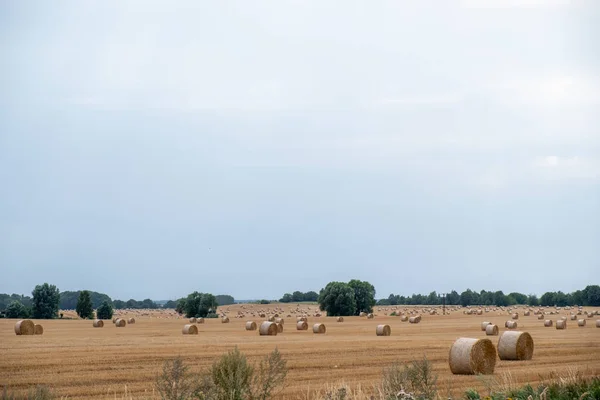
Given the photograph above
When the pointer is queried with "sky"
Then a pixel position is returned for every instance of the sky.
(149, 149)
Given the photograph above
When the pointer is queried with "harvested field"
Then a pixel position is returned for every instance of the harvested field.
(79, 361)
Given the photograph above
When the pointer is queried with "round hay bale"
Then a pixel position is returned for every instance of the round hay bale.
(268, 328)
(511, 324)
(515, 316)
(362, 314)
(193, 320)
(404, 318)
(114, 319)
(25, 327)
(225, 320)
(548, 323)
(120, 323)
(279, 327)
(581, 322)
(190, 329)
(414, 320)
(515, 345)
(199, 320)
(484, 325)
(298, 319)
(541, 316)
(383, 330)
(319, 328)
(472, 356)
(251, 326)
(279, 321)
(561, 324)
(573, 317)
(491, 330)
(598, 323)
(370, 316)
(339, 319)
(131, 321)
(38, 329)
(527, 313)
(302, 325)
(98, 323)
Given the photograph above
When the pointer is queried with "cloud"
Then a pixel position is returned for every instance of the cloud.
(555, 167)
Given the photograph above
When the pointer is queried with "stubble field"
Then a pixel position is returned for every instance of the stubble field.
(78, 361)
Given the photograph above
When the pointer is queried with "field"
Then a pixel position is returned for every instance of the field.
(79, 361)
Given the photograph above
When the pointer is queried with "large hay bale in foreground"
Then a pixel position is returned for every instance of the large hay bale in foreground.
(561, 324)
(514, 345)
(190, 329)
(319, 328)
(491, 330)
(581, 322)
(120, 323)
(484, 325)
(302, 325)
(548, 323)
(472, 356)
(511, 324)
(25, 327)
(98, 323)
(38, 329)
(268, 328)
(251, 326)
(383, 330)
(131, 321)
(339, 319)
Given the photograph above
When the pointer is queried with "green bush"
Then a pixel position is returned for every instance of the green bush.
(105, 311)
(17, 310)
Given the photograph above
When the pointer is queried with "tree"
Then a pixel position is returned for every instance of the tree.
(16, 309)
(520, 298)
(433, 299)
(467, 298)
(68, 299)
(547, 299)
(45, 301)
(105, 311)
(453, 298)
(532, 300)
(592, 295)
(199, 305)
(364, 295)
(297, 296)
(119, 304)
(180, 308)
(84, 305)
(224, 299)
(311, 296)
(337, 298)
(287, 298)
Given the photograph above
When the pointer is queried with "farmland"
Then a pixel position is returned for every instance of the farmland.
(79, 361)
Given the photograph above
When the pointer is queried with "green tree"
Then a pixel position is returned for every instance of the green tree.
(119, 304)
(199, 304)
(337, 298)
(45, 301)
(364, 295)
(224, 299)
(180, 308)
(433, 298)
(592, 295)
(287, 298)
(311, 296)
(532, 300)
(520, 298)
(453, 298)
(467, 298)
(297, 296)
(84, 305)
(16, 309)
(547, 299)
(105, 311)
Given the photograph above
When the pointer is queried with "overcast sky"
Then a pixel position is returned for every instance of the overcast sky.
(154, 148)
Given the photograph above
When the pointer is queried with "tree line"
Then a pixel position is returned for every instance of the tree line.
(298, 297)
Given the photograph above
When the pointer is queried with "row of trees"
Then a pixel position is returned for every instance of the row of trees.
(298, 297)
(343, 299)
(590, 296)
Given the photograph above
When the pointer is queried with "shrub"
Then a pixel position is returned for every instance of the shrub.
(36, 393)
(16, 309)
(415, 379)
(176, 383)
(232, 376)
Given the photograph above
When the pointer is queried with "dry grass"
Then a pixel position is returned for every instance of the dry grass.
(79, 362)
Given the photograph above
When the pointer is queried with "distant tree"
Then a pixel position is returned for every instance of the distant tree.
(224, 299)
(520, 298)
(311, 296)
(453, 298)
(337, 298)
(467, 298)
(16, 309)
(45, 301)
(287, 298)
(180, 308)
(68, 299)
(433, 299)
(297, 296)
(263, 301)
(364, 295)
(547, 299)
(131, 303)
(591, 295)
(199, 305)
(105, 311)
(170, 304)
(119, 304)
(84, 305)
(147, 303)
(532, 300)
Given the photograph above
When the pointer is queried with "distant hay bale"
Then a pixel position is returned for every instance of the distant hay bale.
(279, 321)
(279, 327)
(414, 320)
(383, 330)
(515, 316)
(339, 319)
(561, 324)
(515, 345)
(120, 323)
(510, 324)
(548, 323)
(484, 325)
(527, 313)
(541, 316)
(472, 357)
(131, 321)
(319, 328)
(225, 320)
(25, 327)
(199, 320)
(98, 323)
(302, 325)
(38, 329)
(491, 330)
(190, 329)
(114, 320)
(298, 319)
(404, 318)
(573, 317)
(271, 319)
(193, 320)
(362, 314)
(370, 316)
(581, 322)
(251, 326)
(268, 328)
